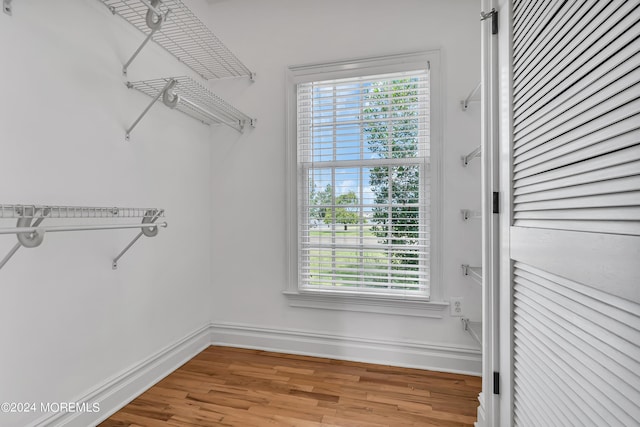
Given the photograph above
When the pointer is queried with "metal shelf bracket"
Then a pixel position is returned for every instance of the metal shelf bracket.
(150, 218)
(474, 272)
(473, 328)
(464, 104)
(472, 155)
(468, 214)
(146, 110)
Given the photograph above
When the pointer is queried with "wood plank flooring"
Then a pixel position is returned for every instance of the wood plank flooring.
(225, 386)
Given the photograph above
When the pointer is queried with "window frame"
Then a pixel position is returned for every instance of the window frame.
(356, 301)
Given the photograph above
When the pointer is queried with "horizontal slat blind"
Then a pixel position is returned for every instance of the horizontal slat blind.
(576, 353)
(363, 194)
(577, 116)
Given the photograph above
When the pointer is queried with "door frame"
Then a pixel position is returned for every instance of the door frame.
(505, 158)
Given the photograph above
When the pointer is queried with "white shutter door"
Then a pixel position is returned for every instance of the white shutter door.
(575, 213)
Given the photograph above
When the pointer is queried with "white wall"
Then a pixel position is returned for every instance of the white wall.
(249, 253)
(68, 322)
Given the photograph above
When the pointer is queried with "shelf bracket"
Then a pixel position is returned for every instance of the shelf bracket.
(154, 25)
(153, 101)
(473, 272)
(6, 6)
(147, 231)
(467, 159)
(464, 104)
(468, 214)
(18, 245)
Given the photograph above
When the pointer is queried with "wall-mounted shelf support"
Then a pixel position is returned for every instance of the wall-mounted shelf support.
(173, 26)
(155, 28)
(472, 155)
(191, 98)
(474, 272)
(473, 328)
(32, 235)
(468, 214)
(153, 101)
(6, 7)
(150, 218)
(18, 245)
(464, 104)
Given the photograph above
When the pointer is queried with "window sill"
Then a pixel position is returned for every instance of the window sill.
(417, 307)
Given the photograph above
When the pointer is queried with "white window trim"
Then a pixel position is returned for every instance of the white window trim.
(340, 300)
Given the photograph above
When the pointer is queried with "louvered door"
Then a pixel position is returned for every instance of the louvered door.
(574, 235)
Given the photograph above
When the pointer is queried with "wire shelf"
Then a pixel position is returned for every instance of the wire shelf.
(196, 101)
(184, 36)
(46, 211)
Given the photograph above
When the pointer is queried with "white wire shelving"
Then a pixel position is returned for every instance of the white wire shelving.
(191, 98)
(473, 328)
(474, 272)
(173, 26)
(31, 234)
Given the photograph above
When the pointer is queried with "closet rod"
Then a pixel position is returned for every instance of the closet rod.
(58, 228)
(239, 125)
(467, 159)
(464, 104)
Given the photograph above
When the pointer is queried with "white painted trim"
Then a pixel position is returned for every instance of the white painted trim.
(122, 388)
(367, 304)
(503, 403)
(363, 66)
(409, 354)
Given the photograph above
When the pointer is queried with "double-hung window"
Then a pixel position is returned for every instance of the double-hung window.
(363, 178)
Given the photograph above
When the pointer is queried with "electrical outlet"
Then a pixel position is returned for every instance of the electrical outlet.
(456, 306)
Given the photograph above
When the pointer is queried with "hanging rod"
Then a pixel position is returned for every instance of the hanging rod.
(57, 228)
(468, 214)
(32, 235)
(191, 98)
(173, 26)
(473, 328)
(464, 104)
(472, 155)
(474, 272)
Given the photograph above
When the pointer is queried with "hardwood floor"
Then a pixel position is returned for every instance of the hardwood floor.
(225, 386)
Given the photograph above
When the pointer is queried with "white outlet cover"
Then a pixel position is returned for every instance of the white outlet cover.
(456, 307)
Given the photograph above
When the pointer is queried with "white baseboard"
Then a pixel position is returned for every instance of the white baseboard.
(119, 390)
(409, 354)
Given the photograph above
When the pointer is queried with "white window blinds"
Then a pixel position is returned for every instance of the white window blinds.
(363, 184)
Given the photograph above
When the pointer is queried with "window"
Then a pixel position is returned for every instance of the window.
(363, 177)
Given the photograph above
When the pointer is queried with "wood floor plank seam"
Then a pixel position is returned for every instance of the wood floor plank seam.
(225, 386)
